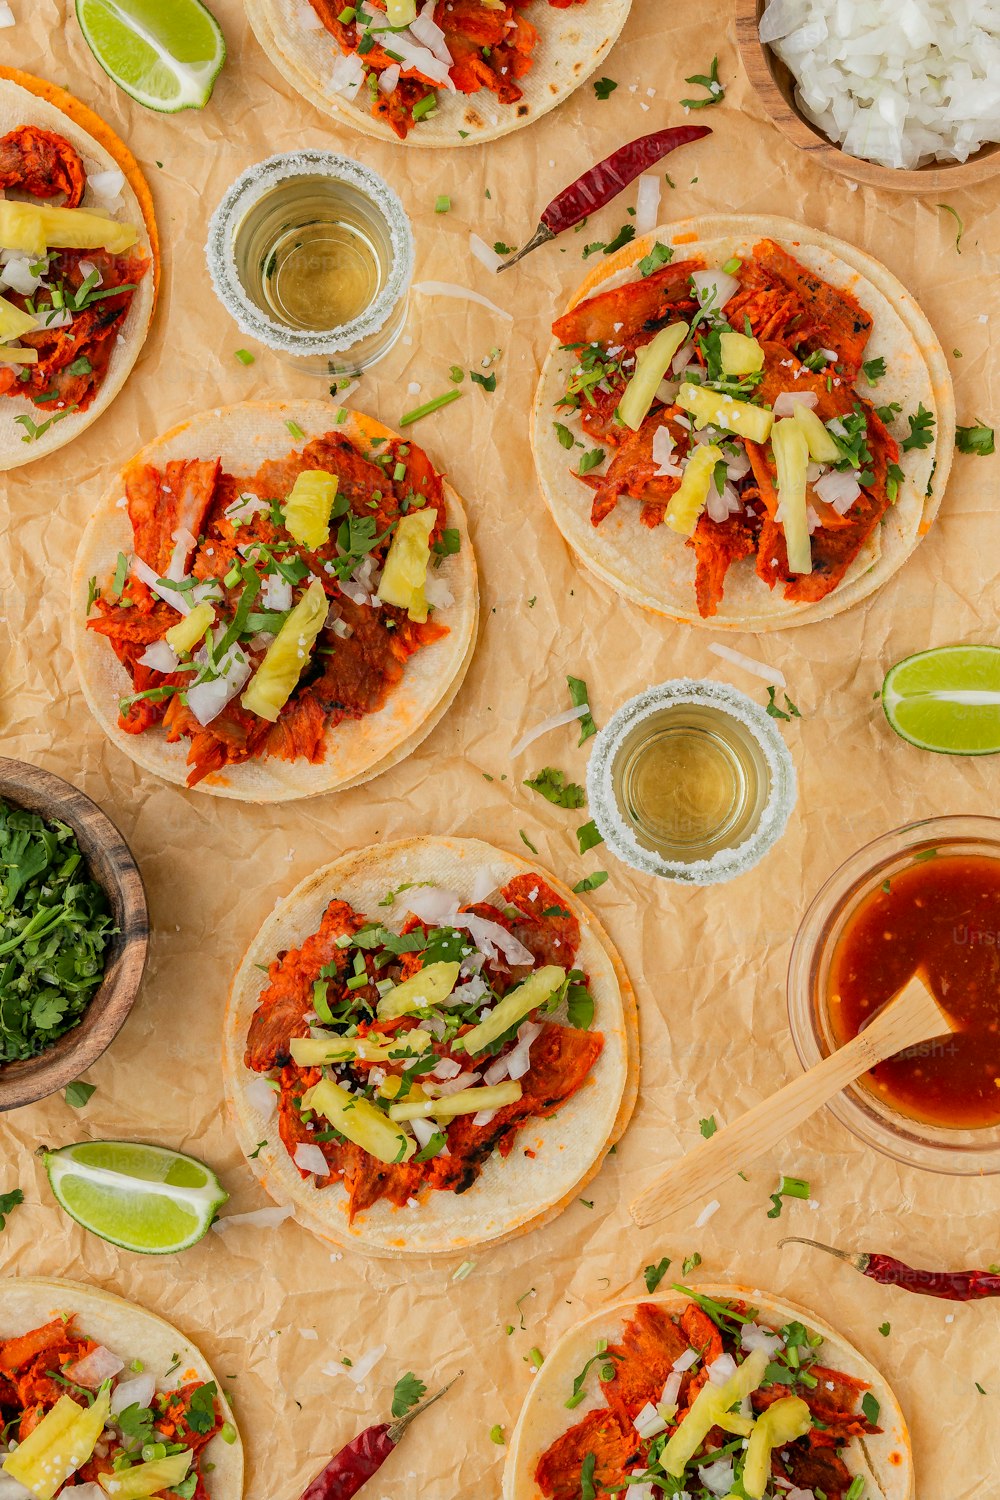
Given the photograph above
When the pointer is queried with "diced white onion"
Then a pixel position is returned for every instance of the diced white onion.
(648, 1423)
(672, 1388)
(18, 275)
(54, 317)
(752, 1337)
(94, 1368)
(432, 904)
(717, 1477)
(184, 544)
(706, 1213)
(137, 1391)
(174, 597)
(107, 187)
(713, 290)
(785, 404)
(467, 994)
(360, 1368)
(261, 1096)
(424, 1130)
(483, 886)
(678, 365)
(838, 490)
(310, 1158)
(277, 593)
(554, 721)
(160, 656)
(647, 203)
(259, 1218)
(455, 1085)
(347, 74)
(446, 1067)
(490, 259)
(206, 700)
(738, 465)
(426, 30)
(389, 77)
(749, 664)
(519, 1058)
(437, 593)
(686, 1360)
(497, 1071)
(6, 19)
(490, 938)
(721, 1369)
(450, 289)
(663, 448)
(720, 506)
(482, 1118)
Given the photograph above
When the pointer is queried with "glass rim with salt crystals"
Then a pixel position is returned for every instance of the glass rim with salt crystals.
(246, 192)
(726, 862)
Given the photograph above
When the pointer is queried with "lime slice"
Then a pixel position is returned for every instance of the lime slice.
(166, 53)
(142, 1198)
(947, 699)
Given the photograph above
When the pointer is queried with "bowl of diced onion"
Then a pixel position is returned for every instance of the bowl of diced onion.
(900, 94)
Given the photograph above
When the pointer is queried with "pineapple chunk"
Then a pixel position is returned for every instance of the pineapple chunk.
(706, 406)
(712, 1408)
(360, 1122)
(689, 499)
(143, 1480)
(276, 678)
(13, 354)
(515, 1005)
(791, 456)
(652, 362)
(466, 1102)
(428, 986)
(62, 1442)
(13, 321)
(740, 354)
(822, 448)
(401, 12)
(314, 1051)
(309, 506)
(783, 1422)
(186, 634)
(405, 571)
(36, 227)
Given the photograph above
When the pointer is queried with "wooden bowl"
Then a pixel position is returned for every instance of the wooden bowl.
(776, 89)
(109, 861)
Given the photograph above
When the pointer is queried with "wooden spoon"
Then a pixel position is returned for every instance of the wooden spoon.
(911, 1017)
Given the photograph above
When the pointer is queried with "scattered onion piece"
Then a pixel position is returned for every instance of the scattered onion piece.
(749, 664)
(450, 289)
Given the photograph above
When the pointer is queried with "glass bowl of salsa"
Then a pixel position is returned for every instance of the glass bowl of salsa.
(924, 898)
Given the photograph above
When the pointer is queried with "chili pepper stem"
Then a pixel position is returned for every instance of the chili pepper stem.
(396, 1429)
(541, 236)
(859, 1262)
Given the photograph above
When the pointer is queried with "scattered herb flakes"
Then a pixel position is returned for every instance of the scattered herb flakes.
(790, 1187)
(691, 1264)
(653, 1275)
(960, 230)
(921, 433)
(588, 836)
(980, 1389)
(535, 1358)
(407, 1393)
(587, 1202)
(294, 429)
(590, 882)
(592, 248)
(591, 460)
(660, 255)
(429, 406)
(873, 370)
(456, 374)
(244, 356)
(625, 236)
(708, 1127)
(525, 839)
(54, 928)
(551, 784)
(587, 1490)
(774, 711)
(78, 1094)
(518, 1304)
(870, 1407)
(578, 696)
(8, 1202)
(923, 854)
(894, 478)
(501, 248)
(885, 1329)
(604, 87)
(442, 204)
(257, 1150)
(709, 81)
(497, 1435)
(978, 440)
(566, 438)
(488, 382)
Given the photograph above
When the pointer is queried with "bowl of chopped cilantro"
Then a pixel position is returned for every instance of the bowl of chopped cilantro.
(74, 930)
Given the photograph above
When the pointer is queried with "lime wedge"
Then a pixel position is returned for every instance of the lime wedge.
(143, 1198)
(166, 53)
(947, 699)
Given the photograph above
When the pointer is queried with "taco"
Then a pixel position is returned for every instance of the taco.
(448, 1039)
(449, 73)
(100, 1398)
(78, 266)
(744, 423)
(714, 1392)
(274, 600)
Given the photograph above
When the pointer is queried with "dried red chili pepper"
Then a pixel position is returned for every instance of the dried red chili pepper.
(350, 1470)
(951, 1286)
(605, 181)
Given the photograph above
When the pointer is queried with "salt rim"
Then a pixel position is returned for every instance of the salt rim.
(727, 863)
(246, 191)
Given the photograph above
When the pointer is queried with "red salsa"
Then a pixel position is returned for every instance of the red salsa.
(940, 916)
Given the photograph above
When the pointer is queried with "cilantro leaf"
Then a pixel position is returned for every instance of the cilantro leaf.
(525, 840)
(604, 87)
(564, 435)
(708, 1127)
(78, 1094)
(588, 836)
(873, 370)
(591, 460)
(653, 1275)
(709, 81)
(407, 1393)
(625, 236)
(488, 382)
(590, 882)
(551, 784)
(978, 440)
(921, 433)
(8, 1202)
(578, 695)
(200, 1415)
(660, 255)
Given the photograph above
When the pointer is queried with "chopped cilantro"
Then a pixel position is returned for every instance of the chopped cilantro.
(564, 435)
(488, 382)
(660, 255)
(525, 840)
(8, 1202)
(771, 708)
(921, 433)
(653, 1275)
(625, 236)
(407, 1393)
(604, 87)
(591, 460)
(873, 370)
(551, 784)
(708, 1127)
(710, 82)
(578, 695)
(589, 836)
(78, 1094)
(978, 440)
(885, 1329)
(958, 220)
(590, 882)
(691, 1264)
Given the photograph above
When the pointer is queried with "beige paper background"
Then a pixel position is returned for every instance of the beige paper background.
(708, 965)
